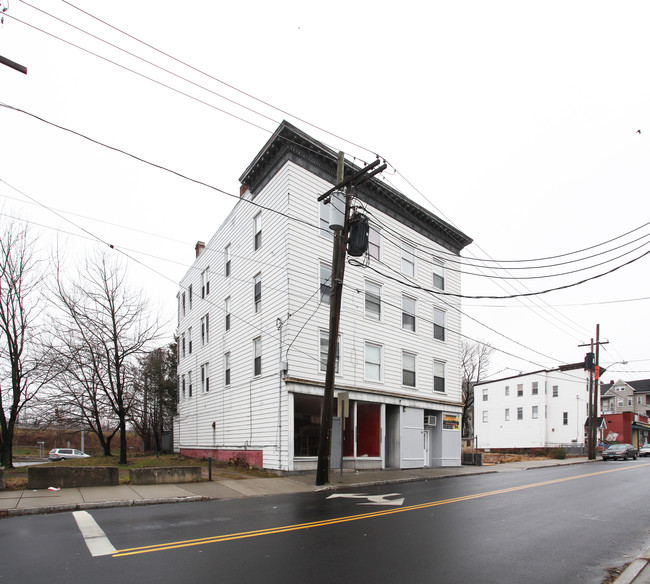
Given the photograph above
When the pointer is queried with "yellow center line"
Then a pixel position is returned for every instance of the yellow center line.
(337, 520)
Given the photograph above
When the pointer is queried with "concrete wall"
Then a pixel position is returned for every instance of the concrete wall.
(163, 475)
(40, 477)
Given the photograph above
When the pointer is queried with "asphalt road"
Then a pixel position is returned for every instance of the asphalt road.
(561, 525)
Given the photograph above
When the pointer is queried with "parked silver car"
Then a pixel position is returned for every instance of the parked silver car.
(622, 451)
(644, 450)
(66, 454)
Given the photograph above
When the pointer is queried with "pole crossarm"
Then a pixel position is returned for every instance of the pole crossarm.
(352, 179)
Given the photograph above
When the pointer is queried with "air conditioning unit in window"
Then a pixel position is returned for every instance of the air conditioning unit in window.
(430, 420)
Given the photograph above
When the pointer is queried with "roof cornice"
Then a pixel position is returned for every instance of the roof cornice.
(288, 143)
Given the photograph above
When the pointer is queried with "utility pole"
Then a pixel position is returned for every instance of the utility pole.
(594, 380)
(338, 268)
(336, 292)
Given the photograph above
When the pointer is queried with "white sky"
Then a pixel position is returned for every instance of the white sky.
(516, 121)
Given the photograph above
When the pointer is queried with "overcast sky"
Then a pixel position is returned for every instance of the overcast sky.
(515, 121)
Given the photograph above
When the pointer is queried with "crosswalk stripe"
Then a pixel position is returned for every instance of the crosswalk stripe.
(96, 540)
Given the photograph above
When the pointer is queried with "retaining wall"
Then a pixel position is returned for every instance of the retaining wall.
(41, 477)
(165, 474)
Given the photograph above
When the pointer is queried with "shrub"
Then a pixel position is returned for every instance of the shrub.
(559, 453)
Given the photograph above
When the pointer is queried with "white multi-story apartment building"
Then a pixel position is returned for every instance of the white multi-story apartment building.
(542, 409)
(253, 318)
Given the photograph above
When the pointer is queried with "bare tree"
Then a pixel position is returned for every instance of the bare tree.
(23, 367)
(108, 327)
(475, 360)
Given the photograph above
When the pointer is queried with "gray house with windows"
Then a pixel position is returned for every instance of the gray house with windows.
(253, 314)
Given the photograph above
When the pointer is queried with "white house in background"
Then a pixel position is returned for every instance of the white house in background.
(542, 409)
(253, 317)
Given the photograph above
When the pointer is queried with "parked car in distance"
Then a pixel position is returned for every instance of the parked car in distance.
(622, 451)
(66, 454)
(644, 450)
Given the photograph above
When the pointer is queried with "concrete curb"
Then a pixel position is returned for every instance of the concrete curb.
(99, 505)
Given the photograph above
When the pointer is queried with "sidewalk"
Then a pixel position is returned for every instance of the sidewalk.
(28, 501)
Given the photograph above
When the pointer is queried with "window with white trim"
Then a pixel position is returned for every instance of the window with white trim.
(226, 368)
(438, 274)
(227, 264)
(190, 295)
(373, 301)
(408, 259)
(485, 416)
(205, 378)
(257, 292)
(439, 324)
(372, 362)
(520, 413)
(189, 383)
(439, 375)
(485, 394)
(257, 356)
(257, 231)
(409, 307)
(205, 282)
(535, 412)
(408, 369)
(374, 243)
(507, 415)
(226, 309)
(189, 340)
(205, 330)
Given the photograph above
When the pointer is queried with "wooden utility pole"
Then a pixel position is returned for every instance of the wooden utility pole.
(338, 269)
(594, 380)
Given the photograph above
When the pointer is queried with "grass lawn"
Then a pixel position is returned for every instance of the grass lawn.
(16, 478)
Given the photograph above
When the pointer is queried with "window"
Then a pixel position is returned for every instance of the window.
(556, 390)
(507, 415)
(183, 303)
(325, 230)
(619, 402)
(565, 418)
(408, 369)
(374, 243)
(629, 401)
(408, 313)
(205, 282)
(408, 259)
(257, 292)
(205, 330)
(438, 324)
(205, 378)
(189, 383)
(183, 385)
(520, 390)
(257, 356)
(535, 412)
(226, 309)
(507, 390)
(189, 339)
(226, 256)
(257, 230)
(638, 400)
(485, 416)
(324, 350)
(226, 368)
(183, 344)
(439, 375)
(372, 369)
(438, 274)
(373, 301)
(535, 388)
(520, 413)
(190, 295)
(325, 282)
(485, 394)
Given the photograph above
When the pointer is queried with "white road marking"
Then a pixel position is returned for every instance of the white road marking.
(372, 499)
(95, 538)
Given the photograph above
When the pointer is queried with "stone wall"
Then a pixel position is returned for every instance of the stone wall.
(42, 477)
(165, 474)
